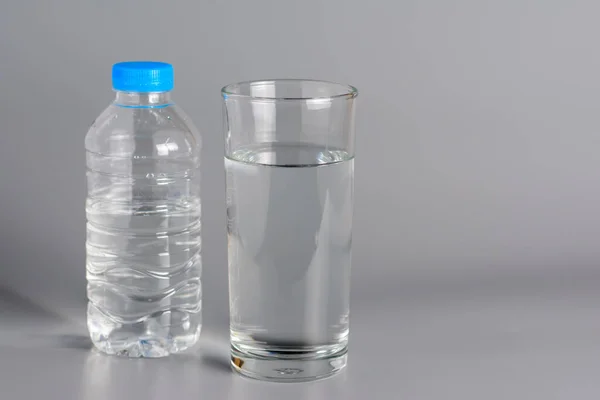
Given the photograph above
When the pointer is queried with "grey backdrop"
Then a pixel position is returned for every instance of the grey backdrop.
(477, 133)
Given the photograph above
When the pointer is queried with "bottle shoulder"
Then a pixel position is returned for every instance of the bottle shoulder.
(161, 131)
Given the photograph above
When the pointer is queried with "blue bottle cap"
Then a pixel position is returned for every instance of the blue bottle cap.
(142, 76)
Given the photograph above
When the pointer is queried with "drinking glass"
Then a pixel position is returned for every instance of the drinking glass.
(289, 160)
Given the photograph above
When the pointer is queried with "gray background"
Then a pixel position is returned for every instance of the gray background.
(476, 217)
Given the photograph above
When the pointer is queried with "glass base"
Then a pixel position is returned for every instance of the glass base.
(321, 362)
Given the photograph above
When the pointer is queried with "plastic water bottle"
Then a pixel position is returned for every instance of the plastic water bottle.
(143, 218)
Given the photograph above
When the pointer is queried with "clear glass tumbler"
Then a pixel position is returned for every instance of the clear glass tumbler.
(289, 160)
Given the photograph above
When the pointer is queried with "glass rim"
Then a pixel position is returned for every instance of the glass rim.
(349, 91)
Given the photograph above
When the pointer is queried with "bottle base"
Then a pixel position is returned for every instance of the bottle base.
(143, 347)
(138, 348)
(298, 365)
(153, 337)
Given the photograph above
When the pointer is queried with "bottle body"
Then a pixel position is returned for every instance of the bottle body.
(143, 228)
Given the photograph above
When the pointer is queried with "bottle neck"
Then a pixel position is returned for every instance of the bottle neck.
(143, 100)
